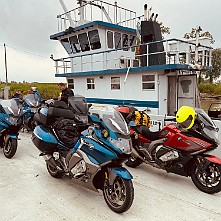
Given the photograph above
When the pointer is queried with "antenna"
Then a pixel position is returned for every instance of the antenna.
(198, 30)
(81, 9)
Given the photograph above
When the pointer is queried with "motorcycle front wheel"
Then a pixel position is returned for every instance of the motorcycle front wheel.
(119, 196)
(10, 147)
(208, 180)
(54, 172)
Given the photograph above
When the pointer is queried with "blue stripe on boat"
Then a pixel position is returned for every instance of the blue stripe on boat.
(136, 103)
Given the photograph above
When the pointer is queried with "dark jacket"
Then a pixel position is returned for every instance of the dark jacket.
(66, 93)
(17, 95)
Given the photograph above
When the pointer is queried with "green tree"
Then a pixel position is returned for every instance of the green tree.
(192, 35)
(216, 64)
(164, 29)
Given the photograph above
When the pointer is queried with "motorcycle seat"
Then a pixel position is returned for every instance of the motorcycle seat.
(60, 112)
(60, 104)
(145, 131)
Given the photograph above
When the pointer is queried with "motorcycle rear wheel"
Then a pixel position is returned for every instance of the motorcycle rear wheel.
(54, 172)
(10, 147)
(31, 124)
(119, 197)
(208, 181)
(133, 162)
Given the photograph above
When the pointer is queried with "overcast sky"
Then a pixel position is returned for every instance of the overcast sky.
(26, 26)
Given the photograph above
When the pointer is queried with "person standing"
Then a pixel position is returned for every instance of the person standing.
(36, 92)
(18, 94)
(65, 92)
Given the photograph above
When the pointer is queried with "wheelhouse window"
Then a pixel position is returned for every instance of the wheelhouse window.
(66, 44)
(117, 40)
(84, 43)
(115, 83)
(110, 43)
(94, 39)
(132, 41)
(125, 41)
(75, 44)
(70, 83)
(148, 82)
(90, 83)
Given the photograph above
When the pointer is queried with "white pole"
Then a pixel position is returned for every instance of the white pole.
(67, 14)
(81, 10)
(145, 12)
(198, 29)
(148, 13)
(125, 80)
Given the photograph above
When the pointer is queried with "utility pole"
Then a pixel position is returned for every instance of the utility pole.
(6, 71)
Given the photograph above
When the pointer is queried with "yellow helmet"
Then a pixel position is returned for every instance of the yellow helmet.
(186, 116)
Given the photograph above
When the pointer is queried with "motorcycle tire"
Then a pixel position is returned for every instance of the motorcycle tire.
(119, 197)
(208, 181)
(10, 147)
(54, 172)
(31, 124)
(133, 162)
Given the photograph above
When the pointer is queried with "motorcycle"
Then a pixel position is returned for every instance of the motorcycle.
(183, 152)
(31, 104)
(10, 124)
(82, 146)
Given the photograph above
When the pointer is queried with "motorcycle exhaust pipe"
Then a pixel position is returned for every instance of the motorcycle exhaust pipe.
(154, 144)
(51, 161)
(135, 154)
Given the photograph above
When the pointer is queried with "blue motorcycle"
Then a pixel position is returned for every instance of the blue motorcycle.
(10, 124)
(31, 103)
(87, 148)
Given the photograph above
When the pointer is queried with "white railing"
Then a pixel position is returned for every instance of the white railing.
(174, 52)
(98, 10)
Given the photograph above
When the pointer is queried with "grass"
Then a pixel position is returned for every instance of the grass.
(46, 90)
(50, 90)
(212, 89)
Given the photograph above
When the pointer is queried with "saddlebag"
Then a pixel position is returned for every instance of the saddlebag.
(44, 140)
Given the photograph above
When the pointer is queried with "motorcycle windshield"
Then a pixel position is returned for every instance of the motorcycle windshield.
(32, 100)
(78, 105)
(205, 126)
(12, 107)
(112, 118)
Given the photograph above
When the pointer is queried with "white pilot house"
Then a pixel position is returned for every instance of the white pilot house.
(116, 57)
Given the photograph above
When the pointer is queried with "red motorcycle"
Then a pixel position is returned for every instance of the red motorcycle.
(183, 152)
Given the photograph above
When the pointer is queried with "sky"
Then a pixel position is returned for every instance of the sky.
(26, 26)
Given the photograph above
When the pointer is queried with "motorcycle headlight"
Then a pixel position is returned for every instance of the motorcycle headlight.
(125, 145)
(105, 133)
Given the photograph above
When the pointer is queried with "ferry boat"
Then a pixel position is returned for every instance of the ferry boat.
(118, 57)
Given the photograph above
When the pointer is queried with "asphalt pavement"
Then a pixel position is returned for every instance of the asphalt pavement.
(29, 193)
